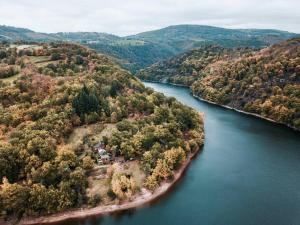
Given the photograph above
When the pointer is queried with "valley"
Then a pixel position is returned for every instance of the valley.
(81, 136)
(265, 83)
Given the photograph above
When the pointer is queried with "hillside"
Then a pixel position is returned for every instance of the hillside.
(183, 37)
(78, 131)
(266, 82)
(186, 68)
(139, 51)
(8, 33)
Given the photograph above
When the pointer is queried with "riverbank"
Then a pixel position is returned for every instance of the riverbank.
(244, 112)
(159, 82)
(228, 107)
(143, 199)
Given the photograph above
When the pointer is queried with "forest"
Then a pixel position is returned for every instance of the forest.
(263, 82)
(187, 67)
(49, 93)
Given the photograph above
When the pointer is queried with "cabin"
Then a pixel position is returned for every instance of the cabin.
(100, 148)
(102, 152)
(105, 159)
(104, 156)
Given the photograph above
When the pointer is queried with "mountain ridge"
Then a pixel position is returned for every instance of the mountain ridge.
(135, 52)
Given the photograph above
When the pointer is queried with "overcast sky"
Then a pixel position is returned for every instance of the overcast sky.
(123, 17)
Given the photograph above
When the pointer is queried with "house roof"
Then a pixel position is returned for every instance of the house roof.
(105, 157)
(101, 151)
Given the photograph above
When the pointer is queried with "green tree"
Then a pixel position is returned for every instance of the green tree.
(8, 162)
(14, 197)
(55, 56)
(85, 102)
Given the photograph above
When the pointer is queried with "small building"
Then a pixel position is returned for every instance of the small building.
(105, 159)
(100, 147)
(102, 151)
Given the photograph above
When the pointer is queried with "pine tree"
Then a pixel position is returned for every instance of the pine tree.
(86, 102)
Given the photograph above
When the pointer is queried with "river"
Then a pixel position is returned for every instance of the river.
(247, 174)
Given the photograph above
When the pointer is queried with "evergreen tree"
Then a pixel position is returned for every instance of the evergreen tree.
(85, 102)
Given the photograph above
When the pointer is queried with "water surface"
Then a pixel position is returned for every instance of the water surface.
(247, 174)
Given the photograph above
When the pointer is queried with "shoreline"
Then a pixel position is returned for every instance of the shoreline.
(158, 82)
(228, 107)
(139, 201)
(244, 112)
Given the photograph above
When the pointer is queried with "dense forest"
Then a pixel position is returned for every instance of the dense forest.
(138, 51)
(265, 82)
(51, 95)
(186, 68)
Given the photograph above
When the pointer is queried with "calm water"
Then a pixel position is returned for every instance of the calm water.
(247, 174)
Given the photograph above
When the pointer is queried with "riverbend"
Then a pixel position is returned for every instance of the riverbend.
(247, 174)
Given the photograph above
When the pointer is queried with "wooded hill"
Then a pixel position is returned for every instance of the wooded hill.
(265, 82)
(141, 50)
(186, 68)
(60, 90)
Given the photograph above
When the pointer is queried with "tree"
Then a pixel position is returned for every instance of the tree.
(45, 148)
(151, 182)
(123, 186)
(8, 162)
(87, 163)
(2, 54)
(55, 56)
(161, 114)
(174, 157)
(14, 197)
(72, 190)
(42, 199)
(79, 60)
(114, 117)
(115, 87)
(85, 102)
(187, 118)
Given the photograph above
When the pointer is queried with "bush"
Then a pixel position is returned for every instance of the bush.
(55, 56)
(94, 200)
(7, 71)
(2, 54)
(111, 194)
(79, 60)
(92, 117)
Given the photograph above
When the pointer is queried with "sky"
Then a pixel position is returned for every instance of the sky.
(125, 17)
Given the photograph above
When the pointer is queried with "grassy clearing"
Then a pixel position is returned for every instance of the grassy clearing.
(94, 132)
(14, 77)
(99, 183)
(11, 79)
(79, 133)
(39, 59)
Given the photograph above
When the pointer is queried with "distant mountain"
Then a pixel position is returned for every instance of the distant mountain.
(8, 33)
(184, 37)
(141, 50)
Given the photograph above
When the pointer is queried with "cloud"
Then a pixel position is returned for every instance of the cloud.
(132, 16)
